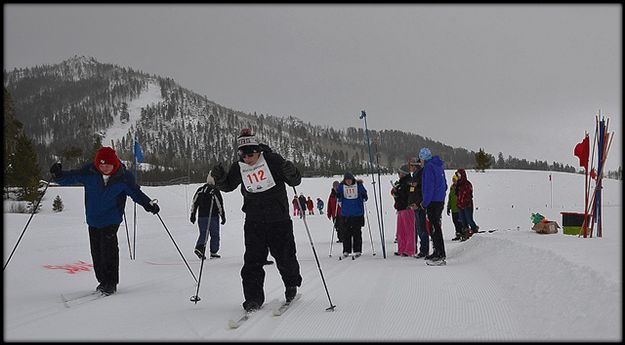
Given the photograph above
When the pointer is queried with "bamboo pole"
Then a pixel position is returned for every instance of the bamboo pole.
(600, 183)
(584, 227)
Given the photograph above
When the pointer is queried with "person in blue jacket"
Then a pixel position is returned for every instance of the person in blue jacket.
(351, 195)
(107, 183)
(434, 189)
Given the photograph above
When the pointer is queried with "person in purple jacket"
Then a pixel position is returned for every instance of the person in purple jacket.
(434, 189)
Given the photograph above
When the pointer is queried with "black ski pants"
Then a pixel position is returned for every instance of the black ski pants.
(338, 223)
(105, 253)
(435, 213)
(352, 234)
(261, 238)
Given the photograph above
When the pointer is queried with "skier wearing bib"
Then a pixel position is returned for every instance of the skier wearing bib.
(268, 228)
(351, 195)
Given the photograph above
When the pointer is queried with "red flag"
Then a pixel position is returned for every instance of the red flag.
(581, 151)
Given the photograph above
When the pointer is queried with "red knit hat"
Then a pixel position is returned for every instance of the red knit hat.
(106, 155)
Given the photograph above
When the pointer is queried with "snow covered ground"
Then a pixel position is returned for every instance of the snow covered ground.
(509, 285)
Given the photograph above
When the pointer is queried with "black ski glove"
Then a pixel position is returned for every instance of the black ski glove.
(288, 169)
(218, 172)
(153, 208)
(192, 219)
(56, 170)
(223, 220)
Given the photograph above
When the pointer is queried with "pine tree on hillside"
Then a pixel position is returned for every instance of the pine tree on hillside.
(24, 169)
(12, 128)
(72, 156)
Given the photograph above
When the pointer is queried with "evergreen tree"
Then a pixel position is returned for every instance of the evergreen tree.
(57, 204)
(24, 169)
(71, 155)
(12, 128)
(501, 163)
(483, 160)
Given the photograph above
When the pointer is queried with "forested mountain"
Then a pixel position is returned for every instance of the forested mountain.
(71, 108)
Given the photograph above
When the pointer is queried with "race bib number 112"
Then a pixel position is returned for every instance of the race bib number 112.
(257, 178)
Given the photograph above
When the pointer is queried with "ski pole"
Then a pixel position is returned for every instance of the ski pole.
(377, 162)
(332, 306)
(333, 227)
(26, 226)
(210, 214)
(172, 239)
(369, 225)
(134, 233)
(332, 239)
(363, 115)
(127, 236)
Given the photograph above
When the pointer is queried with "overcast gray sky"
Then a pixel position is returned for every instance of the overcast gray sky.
(525, 80)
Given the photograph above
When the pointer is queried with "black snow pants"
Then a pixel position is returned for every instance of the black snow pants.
(261, 238)
(105, 254)
(435, 213)
(352, 234)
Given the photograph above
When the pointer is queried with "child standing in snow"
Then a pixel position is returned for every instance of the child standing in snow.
(263, 175)
(205, 197)
(464, 191)
(310, 205)
(295, 203)
(405, 216)
(107, 184)
(452, 206)
(334, 211)
(320, 205)
(351, 194)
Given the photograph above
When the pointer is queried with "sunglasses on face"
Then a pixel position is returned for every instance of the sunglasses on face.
(248, 155)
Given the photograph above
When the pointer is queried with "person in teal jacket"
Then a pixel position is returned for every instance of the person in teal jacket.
(107, 183)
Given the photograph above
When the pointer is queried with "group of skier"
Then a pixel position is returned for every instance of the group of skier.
(419, 198)
(263, 176)
(301, 204)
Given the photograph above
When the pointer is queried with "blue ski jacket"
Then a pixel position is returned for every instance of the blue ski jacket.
(352, 205)
(434, 184)
(104, 204)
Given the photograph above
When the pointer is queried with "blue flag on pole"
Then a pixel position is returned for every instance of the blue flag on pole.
(138, 152)
(362, 114)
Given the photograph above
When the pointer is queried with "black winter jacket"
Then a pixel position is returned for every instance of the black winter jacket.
(401, 193)
(415, 194)
(271, 205)
(202, 201)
